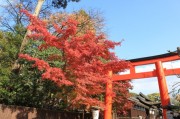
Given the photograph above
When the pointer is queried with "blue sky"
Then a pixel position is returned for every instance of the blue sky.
(148, 27)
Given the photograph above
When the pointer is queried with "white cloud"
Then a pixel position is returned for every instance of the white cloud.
(172, 64)
(150, 85)
(146, 86)
(145, 68)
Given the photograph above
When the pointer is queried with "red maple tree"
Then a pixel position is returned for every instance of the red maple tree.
(86, 58)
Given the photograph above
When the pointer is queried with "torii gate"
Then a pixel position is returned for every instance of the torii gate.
(159, 72)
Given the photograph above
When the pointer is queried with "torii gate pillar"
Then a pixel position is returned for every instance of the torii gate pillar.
(108, 100)
(165, 100)
(159, 72)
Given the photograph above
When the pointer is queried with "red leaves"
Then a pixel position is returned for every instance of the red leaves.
(117, 66)
(40, 64)
(54, 74)
(87, 60)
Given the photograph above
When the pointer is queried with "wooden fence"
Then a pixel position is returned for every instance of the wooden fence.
(19, 112)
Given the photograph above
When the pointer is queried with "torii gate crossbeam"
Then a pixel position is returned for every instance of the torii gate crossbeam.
(159, 72)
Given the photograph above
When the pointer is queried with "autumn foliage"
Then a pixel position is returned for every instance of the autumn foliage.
(86, 60)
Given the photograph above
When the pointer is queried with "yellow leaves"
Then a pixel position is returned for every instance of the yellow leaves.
(85, 23)
(178, 97)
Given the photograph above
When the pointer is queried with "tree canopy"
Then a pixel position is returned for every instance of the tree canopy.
(154, 97)
(86, 60)
(70, 59)
(62, 3)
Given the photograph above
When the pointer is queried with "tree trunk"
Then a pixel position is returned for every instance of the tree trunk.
(16, 65)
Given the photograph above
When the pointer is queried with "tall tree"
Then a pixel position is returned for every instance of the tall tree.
(20, 88)
(56, 3)
(90, 20)
(86, 60)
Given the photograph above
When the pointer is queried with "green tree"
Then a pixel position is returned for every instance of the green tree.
(9, 45)
(175, 101)
(25, 89)
(133, 94)
(154, 97)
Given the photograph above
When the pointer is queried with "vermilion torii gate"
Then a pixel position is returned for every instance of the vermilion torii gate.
(159, 72)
